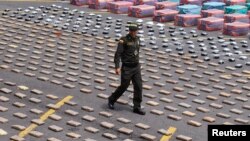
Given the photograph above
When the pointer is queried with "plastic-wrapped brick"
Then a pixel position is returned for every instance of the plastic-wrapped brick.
(230, 18)
(135, 2)
(248, 6)
(214, 5)
(187, 20)
(236, 9)
(79, 2)
(166, 5)
(165, 15)
(195, 2)
(178, 1)
(212, 13)
(210, 24)
(99, 4)
(235, 2)
(141, 11)
(236, 29)
(147, 2)
(213, 0)
(248, 14)
(189, 9)
(119, 7)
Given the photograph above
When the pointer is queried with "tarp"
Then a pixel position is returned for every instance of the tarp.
(166, 5)
(119, 7)
(210, 24)
(236, 29)
(189, 9)
(195, 2)
(212, 13)
(187, 20)
(165, 15)
(230, 18)
(141, 11)
(214, 5)
(236, 9)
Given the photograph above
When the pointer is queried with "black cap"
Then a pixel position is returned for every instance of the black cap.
(133, 27)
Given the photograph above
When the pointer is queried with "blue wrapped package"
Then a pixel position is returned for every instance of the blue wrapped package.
(248, 6)
(178, 1)
(236, 9)
(189, 9)
(214, 5)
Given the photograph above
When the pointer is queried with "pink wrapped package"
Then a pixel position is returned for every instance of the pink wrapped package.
(99, 4)
(147, 2)
(196, 2)
(141, 11)
(135, 2)
(230, 18)
(235, 2)
(210, 24)
(236, 29)
(166, 5)
(248, 14)
(119, 7)
(165, 15)
(212, 13)
(186, 20)
(79, 2)
(214, 0)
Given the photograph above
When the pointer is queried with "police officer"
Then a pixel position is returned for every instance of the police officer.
(128, 52)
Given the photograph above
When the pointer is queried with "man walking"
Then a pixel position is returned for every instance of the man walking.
(128, 52)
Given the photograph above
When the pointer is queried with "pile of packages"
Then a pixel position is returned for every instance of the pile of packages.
(147, 2)
(212, 13)
(210, 24)
(166, 5)
(135, 2)
(99, 4)
(120, 7)
(229, 18)
(79, 2)
(195, 2)
(236, 29)
(236, 9)
(165, 15)
(187, 20)
(189, 9)
(235, 2)
(141, 11)
(214, 5)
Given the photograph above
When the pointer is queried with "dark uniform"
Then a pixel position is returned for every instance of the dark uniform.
(128, 51)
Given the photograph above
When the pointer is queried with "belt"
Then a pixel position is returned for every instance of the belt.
(130, 64)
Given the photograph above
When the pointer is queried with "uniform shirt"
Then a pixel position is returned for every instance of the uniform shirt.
(127, 50)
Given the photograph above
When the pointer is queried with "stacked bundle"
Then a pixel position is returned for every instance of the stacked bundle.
(141, 11)
(99, 4)
(248, 6)
(178, 1)
(189, 9)
(210, 24)
(236, 9)
(236, 29)
(235, 2)
(186, 20)
(196, 2)
(165, 15)
(248, 14)
(78, 2)
(166, 5)
(212, 13)
(119, 7)
(135, 2)
(230, 18)
(213, 5)
(214, 0)
(147, 2)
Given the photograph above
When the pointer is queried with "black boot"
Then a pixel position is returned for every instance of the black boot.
(139, 111)
(111, 105)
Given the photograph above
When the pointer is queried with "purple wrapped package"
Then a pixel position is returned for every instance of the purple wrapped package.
(135, 2)
(141, 11)
(79, 2)
(212, 13)
(210, 24)
(119, 7)
(99, 4)
(186, 20)
(166, 5)
(235, 2)
(236, 29)
(147, 2)
(195, 2)
(230, 18)
(165, 15)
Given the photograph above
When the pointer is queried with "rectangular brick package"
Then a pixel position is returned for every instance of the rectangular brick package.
(229, 18)
(236, 29)
(99, 4)
(196, 2)
(141, 11)
(166, 5)
(212, 13)
(119, 7)
(187, 20)
(210, 24)
(165, 15)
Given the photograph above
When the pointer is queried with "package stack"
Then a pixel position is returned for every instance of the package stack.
(210, 24)
(214, 5)
(165, 15)
(135, 2)
(235, 2)
(236, 29)
(79, 2)
(147, 2)
(189, 9)
(178, 1)
(195, 2)
(119, 7)
(248, 14)
(166, 5)
(236, 9)
(141, 11)
(248, 6)
(212, 13)
(214, 0)
(99, 4)
(186, 20)
(230, 18)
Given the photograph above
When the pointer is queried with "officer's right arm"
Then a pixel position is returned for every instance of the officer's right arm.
(118, 54)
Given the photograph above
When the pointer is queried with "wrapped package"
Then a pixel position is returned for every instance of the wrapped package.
(187, 20)
(165, 15)
(99, 4)
(189, 9)
(213, 5)
(141, 11)
(147, 2)
(135, 2)
(236, 29)
(79, 2)
(178, 1)
(119, 7)
(230, 18)
(210, 24)
(248, 6)
(214, 0)
(235, 2)
(236, 9)
(195, 2)
(166, 5)
(212, 13)
(248, 14)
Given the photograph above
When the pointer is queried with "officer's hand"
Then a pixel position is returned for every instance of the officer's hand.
(117, 71)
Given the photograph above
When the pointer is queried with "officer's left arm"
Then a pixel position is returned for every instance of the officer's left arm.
(118, 54)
